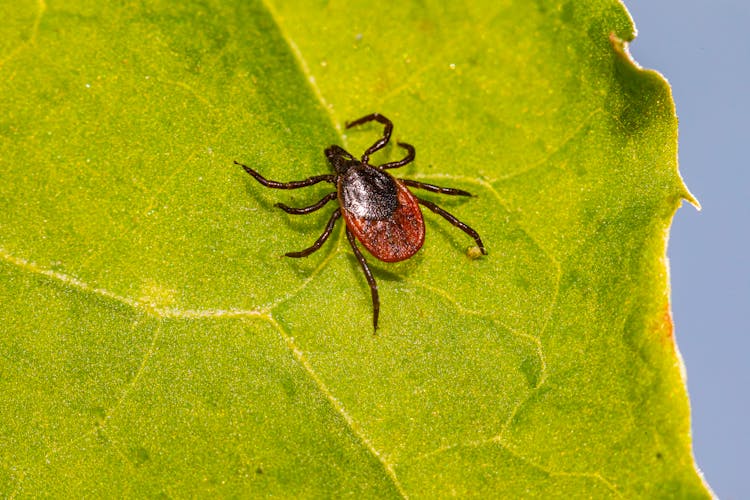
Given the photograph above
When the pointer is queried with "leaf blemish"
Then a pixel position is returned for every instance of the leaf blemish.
(157, 296)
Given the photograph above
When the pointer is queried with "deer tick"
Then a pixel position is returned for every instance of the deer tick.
(379, 210)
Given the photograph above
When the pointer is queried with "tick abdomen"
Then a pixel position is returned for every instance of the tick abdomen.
(368, 193)
(395, 238)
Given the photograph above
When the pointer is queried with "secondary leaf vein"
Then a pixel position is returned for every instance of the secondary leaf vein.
(337, 405)
(42, 7)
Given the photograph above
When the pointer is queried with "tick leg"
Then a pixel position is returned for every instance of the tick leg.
(370, 279)
(322, 239)
(450, 218)
(380, 143)
(311, 208)
(286, 185)
(434, 188)
(410, 153)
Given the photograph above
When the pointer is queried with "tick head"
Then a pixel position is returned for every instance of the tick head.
(340, 160)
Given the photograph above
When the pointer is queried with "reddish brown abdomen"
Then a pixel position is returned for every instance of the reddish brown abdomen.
(393, 239)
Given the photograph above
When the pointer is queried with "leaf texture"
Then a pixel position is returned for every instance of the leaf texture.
(156, 342)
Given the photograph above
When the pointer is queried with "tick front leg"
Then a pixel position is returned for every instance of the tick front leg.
(286, 185)
(311, 208)
(322, 239)
(380, 143)
(410, 154)
(435, 189)
(450, 218)
(370, 279)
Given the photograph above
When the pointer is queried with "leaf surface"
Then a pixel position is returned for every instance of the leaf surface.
(155, 340)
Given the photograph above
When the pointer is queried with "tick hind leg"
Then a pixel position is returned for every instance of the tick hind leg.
(370, 279)
(380, 143)
(322, 239)
(453, 220)
(286, 185)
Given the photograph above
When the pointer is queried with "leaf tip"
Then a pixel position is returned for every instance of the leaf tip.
(621, 48)
(688, 196)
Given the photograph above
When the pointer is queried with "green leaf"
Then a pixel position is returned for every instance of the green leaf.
(156, 342)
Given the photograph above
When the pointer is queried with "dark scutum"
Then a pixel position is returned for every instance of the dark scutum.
(369, 193)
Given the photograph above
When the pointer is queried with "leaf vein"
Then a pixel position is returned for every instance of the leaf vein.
(147, 307)
(564, 142)
(32, 36)
(309, 76)
(326, 260)
(530, 463)
(338, 406)
(589, 475)
(141, 368)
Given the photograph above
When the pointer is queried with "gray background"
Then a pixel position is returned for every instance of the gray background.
(703, 48)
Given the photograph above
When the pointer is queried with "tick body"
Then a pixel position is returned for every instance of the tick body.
(381, 212)
(378, 209)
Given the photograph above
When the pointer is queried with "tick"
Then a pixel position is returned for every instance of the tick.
(378, 209)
